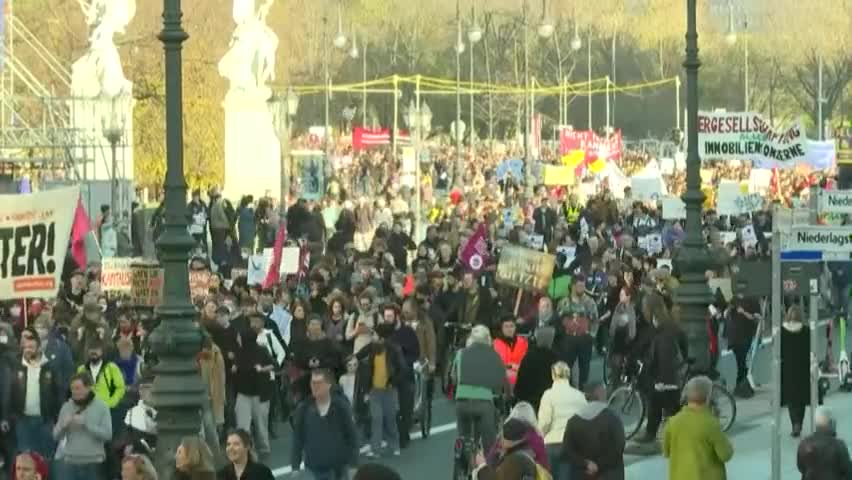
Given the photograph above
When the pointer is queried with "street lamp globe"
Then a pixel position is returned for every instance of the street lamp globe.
(460, 47)
(353, 52)
(731, 37)
(292, 101)
(426, 117)
(340, 40)
(576, 43)
(545, 30)
(475, 34)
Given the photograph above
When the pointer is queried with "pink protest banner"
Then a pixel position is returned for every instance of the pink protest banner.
(589, 142)
(475, 254)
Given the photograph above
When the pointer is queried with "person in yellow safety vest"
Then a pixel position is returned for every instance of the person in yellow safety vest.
(572, 210)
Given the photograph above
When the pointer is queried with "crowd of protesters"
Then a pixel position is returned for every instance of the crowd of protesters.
(340, 349)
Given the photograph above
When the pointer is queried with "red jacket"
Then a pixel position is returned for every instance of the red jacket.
(511, 355)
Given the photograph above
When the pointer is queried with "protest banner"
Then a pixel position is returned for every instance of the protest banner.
(525, 269)
(34, 233)
(589, 142)
(117, 274)
(733, 199)
(146, 289)
(673, 208)
(748, 136)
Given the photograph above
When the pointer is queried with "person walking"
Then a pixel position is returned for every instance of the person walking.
(821, 455)
(795, 368)
(383, 370)
(83, 428)
(558, 405)
(694, 442)
(253, 386)
(534, 376)
(593, 443)
(324, 432)
(668, 352)
(576, 332)
(741, 329)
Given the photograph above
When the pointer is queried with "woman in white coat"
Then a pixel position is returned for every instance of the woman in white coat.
(558, 404)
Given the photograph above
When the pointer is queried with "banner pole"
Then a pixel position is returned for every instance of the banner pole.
(777, 305)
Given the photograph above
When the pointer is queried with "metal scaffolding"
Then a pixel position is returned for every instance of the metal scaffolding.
(40, 120)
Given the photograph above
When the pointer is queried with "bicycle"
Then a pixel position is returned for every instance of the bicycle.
(423, 398)
(467, 446)
(457, 338)
(629, 397)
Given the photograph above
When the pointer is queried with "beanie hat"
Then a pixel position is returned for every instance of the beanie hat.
(514, 430)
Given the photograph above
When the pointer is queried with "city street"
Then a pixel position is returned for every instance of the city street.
(430, 459)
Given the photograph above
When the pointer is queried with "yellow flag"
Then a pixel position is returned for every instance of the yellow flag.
(573, 158)
(709, 197)
(558, 175)
(598, 165)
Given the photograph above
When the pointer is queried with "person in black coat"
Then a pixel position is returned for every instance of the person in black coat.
(823, 456)
(405, 338)
(795, 367)
(666, 358)
(593, 444)
(534, 376)
(242, 465)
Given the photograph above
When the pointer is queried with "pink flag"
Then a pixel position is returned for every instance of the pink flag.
(273, 276)
(474, 255)
(79, 229)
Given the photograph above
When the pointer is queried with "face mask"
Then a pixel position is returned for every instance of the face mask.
(42, 333)
(4, 339)
(15, 311)
(103, 308)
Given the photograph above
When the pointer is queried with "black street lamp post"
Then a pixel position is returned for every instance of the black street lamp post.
(693, 259)
(178, 390)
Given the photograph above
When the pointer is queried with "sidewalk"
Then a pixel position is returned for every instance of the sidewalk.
(752, 441)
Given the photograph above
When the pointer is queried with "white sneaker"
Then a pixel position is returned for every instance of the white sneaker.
(370, 454)
(396, 453)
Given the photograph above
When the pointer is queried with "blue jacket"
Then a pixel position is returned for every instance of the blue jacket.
(326, 443)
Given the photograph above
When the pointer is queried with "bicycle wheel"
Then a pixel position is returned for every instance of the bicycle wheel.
(724, 407)
(629, 405)
(461, 463)
(446, 371)
(426, 420)
(605, 370)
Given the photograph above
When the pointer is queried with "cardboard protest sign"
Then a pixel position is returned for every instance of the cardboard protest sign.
(732, 200)
(34, 233)
(673, 208)
(147, 285)
(199, 283)
(647, 189)
(525, 268)
(117, 274)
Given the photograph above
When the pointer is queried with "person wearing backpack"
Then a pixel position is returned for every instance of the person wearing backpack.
(324, 433)
(516, 460)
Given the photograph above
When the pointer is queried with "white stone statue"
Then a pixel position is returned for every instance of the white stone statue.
(99, 71)
(250, 62)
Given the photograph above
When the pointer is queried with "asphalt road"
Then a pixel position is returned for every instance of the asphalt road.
(430, 459)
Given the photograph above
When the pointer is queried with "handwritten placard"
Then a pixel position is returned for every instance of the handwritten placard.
(735, 200)
(147, 285)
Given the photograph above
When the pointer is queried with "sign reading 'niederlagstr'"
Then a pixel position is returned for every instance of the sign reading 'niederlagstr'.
(838, 201)
(821, 239)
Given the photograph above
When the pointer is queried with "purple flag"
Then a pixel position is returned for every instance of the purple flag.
(474, 255)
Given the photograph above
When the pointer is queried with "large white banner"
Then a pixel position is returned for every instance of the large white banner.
(747, 136)
(34, 234)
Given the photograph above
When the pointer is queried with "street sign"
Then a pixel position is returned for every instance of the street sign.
(821, 239)
(801, 256)
(835, 201)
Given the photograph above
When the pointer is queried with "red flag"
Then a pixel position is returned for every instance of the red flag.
(408, 287)
(273, 276)
(79, 229)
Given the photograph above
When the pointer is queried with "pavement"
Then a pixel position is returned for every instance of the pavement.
(430, 459)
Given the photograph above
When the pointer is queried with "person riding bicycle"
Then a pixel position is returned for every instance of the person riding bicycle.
(480, 377)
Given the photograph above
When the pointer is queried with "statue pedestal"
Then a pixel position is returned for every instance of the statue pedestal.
(252, 150)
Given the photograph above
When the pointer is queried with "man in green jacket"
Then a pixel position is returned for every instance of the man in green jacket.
(694, 442)
(107, 377)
